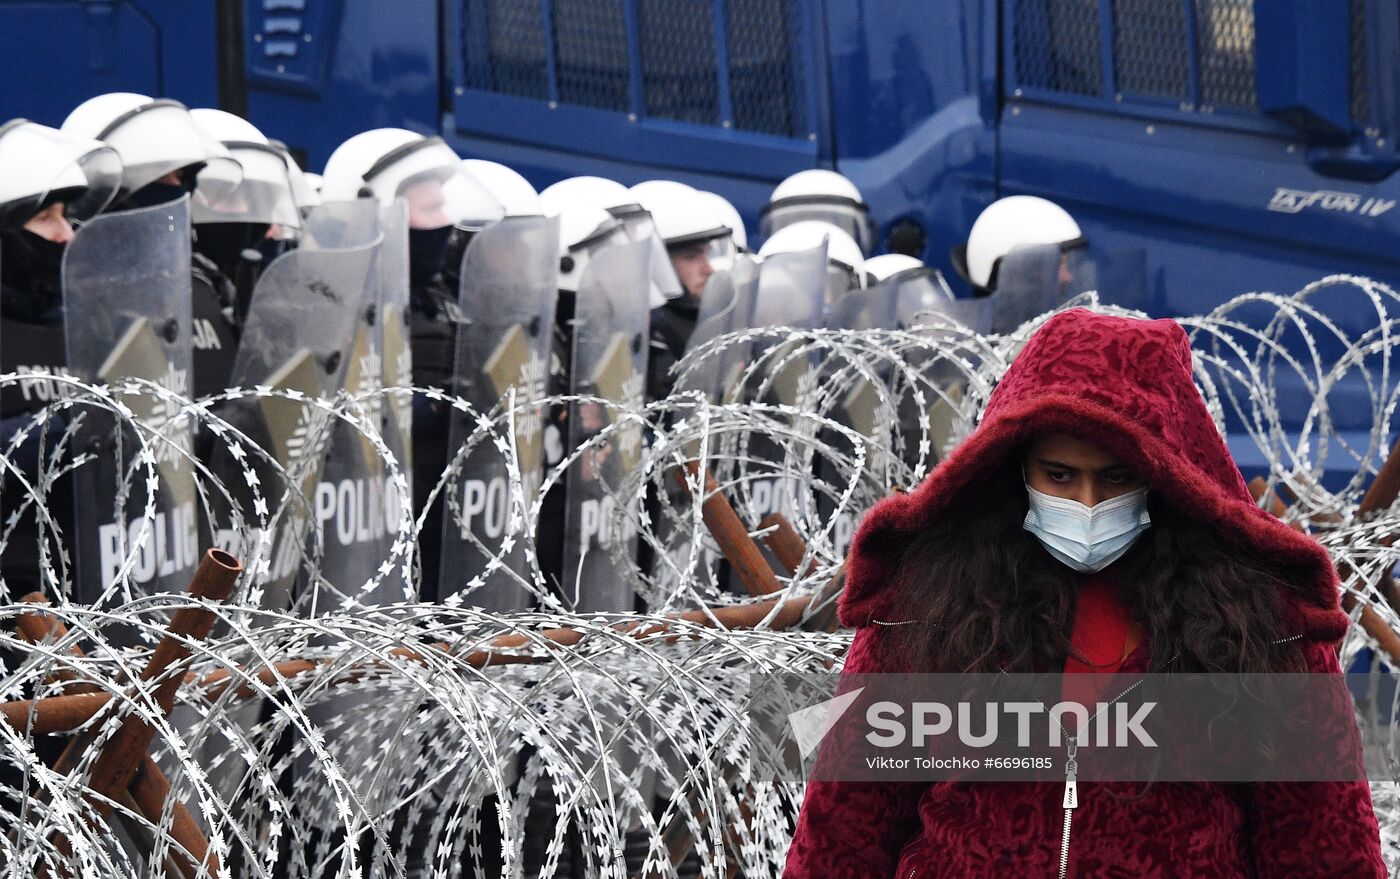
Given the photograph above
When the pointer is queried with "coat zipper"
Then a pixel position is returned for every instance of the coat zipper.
(1070, 802)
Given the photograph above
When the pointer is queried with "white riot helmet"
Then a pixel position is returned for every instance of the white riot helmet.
(683, 216)
(386, 163)
(819, 194)
(730, 216)
(40, 166)
(610, 195)
(887, 265)
(619, 201)
(584, 229)
(266, 194)
(155, 137)
(843, 256)
(517, 197)
(1012, 222)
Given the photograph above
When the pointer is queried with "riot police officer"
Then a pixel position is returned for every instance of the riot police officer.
(236, 236)
(48, 181)
(819, 194)
(389, 163)
(1016, 221)
(699, 242)
(164, 152)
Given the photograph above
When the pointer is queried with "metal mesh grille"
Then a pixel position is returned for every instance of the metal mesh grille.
(1150, 51)
(765, 83)
(679, 77)
(590, 39)
(515, 62)
(1360, 72)
(1057, 45)
(506, 43)
(1225, 46)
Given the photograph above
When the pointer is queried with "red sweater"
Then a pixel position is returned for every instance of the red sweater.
(1125, 385)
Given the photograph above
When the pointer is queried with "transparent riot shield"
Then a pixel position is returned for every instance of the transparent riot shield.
(897, 303)
(1118, 277)
(726, 308)
(1030, 281)
(1033, 280)
(611, 327)
(791, 290)
(507, 297)
(356, 511)
(297, 348)
(396, 410)
(126, 291)
(760, 473)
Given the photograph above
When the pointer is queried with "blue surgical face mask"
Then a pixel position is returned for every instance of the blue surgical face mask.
(1087, 539)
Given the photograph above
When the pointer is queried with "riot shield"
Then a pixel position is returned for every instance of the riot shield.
(1028, 283)
(509, 284)
(725, 308)
(396, 412)
(791, 292)
(1119, 277)
(1033, 280)
(297, 344)
(791, 289)
(355, 510)
(126, 291)
(612, 322)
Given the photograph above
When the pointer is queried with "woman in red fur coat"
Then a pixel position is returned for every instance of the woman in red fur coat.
(978, 570)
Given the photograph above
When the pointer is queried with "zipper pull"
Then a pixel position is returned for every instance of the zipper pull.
(1071, 799)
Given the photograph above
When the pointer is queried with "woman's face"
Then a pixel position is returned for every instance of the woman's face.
(1064, 466)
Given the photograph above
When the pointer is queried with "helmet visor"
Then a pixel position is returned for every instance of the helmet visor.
(722, 252)
(850, 217)
(83, 174)
(665, 285)
(439, 191)
(263, 196)
(161, 137)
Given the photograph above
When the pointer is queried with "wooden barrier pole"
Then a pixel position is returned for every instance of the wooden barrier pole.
(151, 788)
(785, 543)
(731, 535)
(1380, 495)
(122, 756)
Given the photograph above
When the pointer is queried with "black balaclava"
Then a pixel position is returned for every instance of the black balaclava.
(156, 193)
(224, 243)
(427, 249)
(29, 273)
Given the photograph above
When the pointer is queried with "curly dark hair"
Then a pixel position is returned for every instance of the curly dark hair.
(986, 596)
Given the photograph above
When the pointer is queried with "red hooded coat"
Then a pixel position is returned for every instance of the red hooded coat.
(1126, 386)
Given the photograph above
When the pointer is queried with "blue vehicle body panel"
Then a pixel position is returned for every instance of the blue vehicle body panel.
(56, 54)
(320, 71)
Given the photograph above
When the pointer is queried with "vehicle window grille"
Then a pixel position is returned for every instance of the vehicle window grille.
(1360, 63)
(516, 51)
(590, 46)
(1225, 46)
(1058, 45)
(740, 64)
(1151, 50)
(680, 79)
(765, 79)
